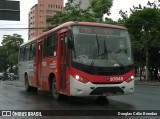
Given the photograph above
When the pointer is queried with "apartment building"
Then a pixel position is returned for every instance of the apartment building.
(38, 14)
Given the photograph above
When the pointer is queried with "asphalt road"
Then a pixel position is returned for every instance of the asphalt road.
(13, 97)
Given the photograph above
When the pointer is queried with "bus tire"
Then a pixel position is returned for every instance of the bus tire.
(102, 100)
(28, 88)
(35, 89)
(54, 91)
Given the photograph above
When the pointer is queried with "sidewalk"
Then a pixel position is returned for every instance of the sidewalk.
(144, 82)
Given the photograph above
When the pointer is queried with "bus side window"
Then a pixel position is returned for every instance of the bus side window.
(45, 48)
(21, 57)
(25, 54)
(50, 45)
(32, 51)
(27, 49)
(55, 44)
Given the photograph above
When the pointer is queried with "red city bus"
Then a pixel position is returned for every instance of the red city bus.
(79, 59)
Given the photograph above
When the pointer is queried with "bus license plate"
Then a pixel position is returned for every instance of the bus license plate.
(107, 94)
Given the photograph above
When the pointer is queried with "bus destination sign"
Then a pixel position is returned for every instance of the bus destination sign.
(96, 30)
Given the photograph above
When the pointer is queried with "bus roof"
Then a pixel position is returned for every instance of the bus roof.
(73, 23)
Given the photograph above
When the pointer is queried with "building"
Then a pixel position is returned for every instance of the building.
(84, 3)
(38, 14)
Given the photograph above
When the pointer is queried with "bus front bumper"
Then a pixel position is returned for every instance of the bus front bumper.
(78, 88)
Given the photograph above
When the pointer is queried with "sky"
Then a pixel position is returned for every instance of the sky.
(25, 6)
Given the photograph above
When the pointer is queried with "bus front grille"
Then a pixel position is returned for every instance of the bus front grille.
(102, 90)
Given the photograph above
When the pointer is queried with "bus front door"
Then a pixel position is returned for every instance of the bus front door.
(39, 67)
(63, 60)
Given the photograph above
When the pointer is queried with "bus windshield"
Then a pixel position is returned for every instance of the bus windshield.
(101, 46)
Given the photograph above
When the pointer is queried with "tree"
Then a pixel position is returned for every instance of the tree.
(3, 57)
(101, 7)
(10, 48)
(144, 26)
(74, 12)
(124, 15)
(110, 21)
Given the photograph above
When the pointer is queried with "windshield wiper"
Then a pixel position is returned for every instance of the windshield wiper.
(97, 41)
(106, 51)
(94, 52)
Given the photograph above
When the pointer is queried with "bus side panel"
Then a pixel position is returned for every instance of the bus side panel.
(49, 66)
(45, 74)
(32, 73)
(27, 68)
(22, 69)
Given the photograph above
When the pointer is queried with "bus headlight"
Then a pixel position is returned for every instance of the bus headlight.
(77, 77)
(81, 79)
(130, 79)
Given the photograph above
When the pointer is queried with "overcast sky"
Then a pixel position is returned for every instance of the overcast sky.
(25, 6)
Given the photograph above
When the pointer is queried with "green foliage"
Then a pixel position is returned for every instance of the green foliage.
(110, 21)
(145, 24)
(100, 7)
(144, 27)
(124, 15)
(3, 59)
(9, 51)
(12, 42)
(74, 12)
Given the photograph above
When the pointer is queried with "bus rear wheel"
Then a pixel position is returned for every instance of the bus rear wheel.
(35, 89)
(28, 88)
(55, 93)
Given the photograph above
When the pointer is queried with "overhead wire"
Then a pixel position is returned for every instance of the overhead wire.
(19, 29)
(26, 28)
